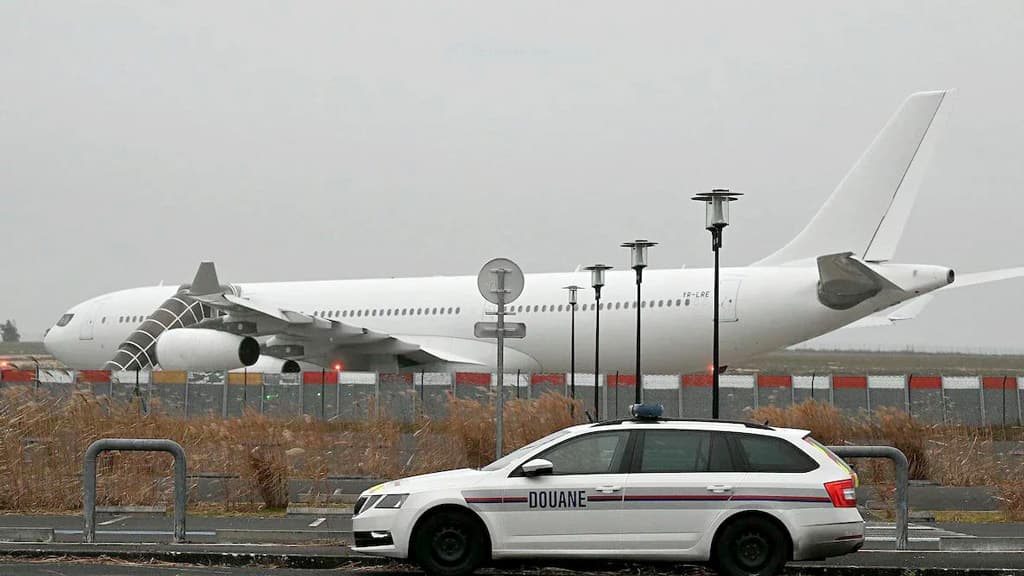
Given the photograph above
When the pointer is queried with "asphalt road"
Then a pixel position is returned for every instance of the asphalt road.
(866, 563)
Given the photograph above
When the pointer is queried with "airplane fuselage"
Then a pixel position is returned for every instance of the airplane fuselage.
(762, 309)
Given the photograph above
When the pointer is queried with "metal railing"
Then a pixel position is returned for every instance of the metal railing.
(899, 459)
(141, 445)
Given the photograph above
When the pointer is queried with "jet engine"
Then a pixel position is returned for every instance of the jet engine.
(203, 349)
(274, 365)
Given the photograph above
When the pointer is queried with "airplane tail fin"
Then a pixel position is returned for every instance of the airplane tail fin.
(867, 212)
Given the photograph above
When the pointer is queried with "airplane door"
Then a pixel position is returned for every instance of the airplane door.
(85, 327)
(730, 292)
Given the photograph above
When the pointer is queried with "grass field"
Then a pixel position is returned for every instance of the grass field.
(780, 362)
(42, 442)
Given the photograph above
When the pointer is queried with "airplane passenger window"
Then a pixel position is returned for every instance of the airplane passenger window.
(678, 302)
(668, 303)
(419, 311)
(619, 305)
(435, 311)
(449, 309)
(661, 303)
(457, 310)
(652, 303)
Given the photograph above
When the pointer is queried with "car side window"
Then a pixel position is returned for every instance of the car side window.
(666, 451)
(770, 454)
(599, 453)
(683, 451)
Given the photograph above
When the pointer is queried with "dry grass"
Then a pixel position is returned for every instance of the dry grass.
(825, 422)
(42, 443)
(41, 438)
(1011, 495)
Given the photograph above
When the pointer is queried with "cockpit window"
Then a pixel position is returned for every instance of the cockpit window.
(65, 319)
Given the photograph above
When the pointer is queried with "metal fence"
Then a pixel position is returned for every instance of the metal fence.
(970, 400)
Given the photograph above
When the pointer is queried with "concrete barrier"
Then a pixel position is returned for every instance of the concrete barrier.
(242, 536)
(26, 534)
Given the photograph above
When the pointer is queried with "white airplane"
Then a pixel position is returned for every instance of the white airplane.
(837, 272)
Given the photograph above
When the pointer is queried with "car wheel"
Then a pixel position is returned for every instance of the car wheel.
(449, 543)
(751, 546)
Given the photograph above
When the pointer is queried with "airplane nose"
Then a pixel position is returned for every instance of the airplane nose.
(48, 341)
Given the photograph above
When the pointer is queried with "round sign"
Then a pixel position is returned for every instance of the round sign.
(487, 280)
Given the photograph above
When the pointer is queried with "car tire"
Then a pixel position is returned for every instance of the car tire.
(751, 546)
(450, 543)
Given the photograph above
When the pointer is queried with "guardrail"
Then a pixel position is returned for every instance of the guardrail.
(899, 459)
(140, 445)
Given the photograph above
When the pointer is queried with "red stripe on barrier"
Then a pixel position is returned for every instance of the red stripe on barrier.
(767, 381)
(999, 383)
(697, 380)
(17, 375)
(926, 382)
(330, 377)
(472, 379)
(555, 379)
(841, 382)
(93, 376)
(622, 380)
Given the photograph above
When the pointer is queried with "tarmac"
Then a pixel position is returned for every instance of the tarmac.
(141, 544)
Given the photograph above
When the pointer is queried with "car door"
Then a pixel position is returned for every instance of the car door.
(575, 508)
(680, 481)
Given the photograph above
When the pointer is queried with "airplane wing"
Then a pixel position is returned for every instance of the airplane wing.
(289, 333)
(911, 309)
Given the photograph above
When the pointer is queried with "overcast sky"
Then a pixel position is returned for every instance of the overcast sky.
(316, 140)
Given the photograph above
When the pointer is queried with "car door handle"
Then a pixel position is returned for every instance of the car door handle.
(608, 489)
(719, 488)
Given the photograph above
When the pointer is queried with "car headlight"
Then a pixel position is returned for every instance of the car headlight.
(392, 501)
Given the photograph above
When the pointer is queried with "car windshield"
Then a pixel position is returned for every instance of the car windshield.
(516, 454)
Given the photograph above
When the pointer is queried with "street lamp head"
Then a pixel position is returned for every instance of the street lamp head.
(717, 207)
(597, 275)
(638, 250)
(572, 294)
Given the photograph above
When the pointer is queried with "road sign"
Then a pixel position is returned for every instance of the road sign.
(487, 280)
(490, 330)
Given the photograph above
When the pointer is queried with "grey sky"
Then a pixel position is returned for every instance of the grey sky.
(304, 140)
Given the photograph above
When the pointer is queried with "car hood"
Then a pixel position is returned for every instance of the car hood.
(461, 478)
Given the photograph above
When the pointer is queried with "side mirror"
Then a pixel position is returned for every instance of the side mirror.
(538, 467)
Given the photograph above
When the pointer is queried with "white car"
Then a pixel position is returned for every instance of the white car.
(744, 496)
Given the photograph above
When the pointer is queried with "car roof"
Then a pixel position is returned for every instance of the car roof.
(698, 424)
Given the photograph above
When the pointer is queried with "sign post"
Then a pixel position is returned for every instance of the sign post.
(500, 282)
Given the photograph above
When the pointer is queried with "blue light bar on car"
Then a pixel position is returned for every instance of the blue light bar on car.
(647, 411)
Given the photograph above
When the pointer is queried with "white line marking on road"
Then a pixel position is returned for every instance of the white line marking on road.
(138, 532)
(114, 521)
(317, 522)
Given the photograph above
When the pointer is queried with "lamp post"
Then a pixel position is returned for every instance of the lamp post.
(716, 205)
(638, 261)
(597, 281)
(572, 339)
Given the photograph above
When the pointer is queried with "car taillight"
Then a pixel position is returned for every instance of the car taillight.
(842, 493)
